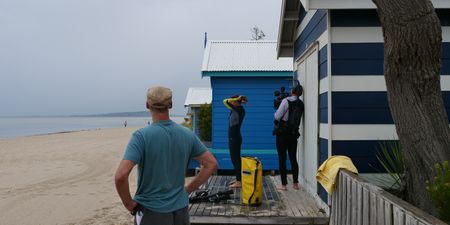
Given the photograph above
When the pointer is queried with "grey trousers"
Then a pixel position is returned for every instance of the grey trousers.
(148, 217)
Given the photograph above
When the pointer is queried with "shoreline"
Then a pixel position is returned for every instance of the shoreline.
(65, 132)
(63, 178)
(36, 127)
(74, 131)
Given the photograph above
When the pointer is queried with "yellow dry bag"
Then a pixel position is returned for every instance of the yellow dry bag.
(251, 181)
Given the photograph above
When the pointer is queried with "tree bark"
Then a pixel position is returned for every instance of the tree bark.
(412, 62)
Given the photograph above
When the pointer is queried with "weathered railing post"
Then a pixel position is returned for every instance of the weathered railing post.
(357, 202)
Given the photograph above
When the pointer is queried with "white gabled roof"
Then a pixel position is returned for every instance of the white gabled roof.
(244, 56)
(197, 96)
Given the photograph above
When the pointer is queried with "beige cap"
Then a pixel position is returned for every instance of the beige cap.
(159, 97)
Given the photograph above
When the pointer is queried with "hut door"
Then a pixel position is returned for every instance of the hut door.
(308, 142)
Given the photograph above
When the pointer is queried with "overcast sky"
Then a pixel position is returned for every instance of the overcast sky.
(69, 57)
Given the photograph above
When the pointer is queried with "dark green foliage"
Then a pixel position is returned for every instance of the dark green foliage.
(205, 122)
(390, 157)
(440, 191)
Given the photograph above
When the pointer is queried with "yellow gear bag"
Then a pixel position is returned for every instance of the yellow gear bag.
(251, 181)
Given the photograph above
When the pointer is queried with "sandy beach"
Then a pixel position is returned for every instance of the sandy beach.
(65, 178)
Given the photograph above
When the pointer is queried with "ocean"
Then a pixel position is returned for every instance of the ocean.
(27, 126)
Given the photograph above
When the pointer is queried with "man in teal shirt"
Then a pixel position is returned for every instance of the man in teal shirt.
(162, 152)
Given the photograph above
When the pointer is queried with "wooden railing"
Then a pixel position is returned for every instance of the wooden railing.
(357, 202)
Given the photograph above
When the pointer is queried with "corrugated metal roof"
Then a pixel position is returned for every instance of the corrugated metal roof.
(197, 96)
(244, 56)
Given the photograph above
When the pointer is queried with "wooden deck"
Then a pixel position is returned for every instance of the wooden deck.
(279, 207)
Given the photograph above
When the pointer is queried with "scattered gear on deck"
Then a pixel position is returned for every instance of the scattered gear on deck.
(205, 196)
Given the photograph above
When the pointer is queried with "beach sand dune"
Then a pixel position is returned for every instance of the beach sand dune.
(65, 178)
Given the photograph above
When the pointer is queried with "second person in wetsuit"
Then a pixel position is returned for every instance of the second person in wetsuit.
(237, 114)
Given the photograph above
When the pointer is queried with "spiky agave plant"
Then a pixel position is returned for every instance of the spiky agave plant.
(390, 157)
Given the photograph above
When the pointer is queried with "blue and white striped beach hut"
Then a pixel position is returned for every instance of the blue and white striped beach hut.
(248, 68)
(337, 50)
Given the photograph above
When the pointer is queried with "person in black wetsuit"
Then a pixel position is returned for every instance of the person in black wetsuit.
(237, 114)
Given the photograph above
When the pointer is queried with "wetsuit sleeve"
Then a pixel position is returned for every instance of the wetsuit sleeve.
(135, 148)
(198, 148)
(227, 101)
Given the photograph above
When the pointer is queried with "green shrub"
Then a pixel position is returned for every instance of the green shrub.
(440, 191)
(390, 157)
(205, 122)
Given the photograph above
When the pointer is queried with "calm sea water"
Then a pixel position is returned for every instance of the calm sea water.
(27, 126)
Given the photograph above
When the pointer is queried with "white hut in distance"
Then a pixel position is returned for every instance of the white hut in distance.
(196, 97)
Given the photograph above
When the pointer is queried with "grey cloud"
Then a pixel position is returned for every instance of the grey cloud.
(61, 57)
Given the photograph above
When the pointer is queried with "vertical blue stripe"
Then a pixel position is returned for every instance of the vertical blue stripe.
(323, 62)
(323, 107)
(323, 155)
(323, 194)
(316, 26)
(323, 150)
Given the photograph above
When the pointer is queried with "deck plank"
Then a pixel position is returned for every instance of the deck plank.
(300, 204)
(225, 183)
(211, 208)
(278, 207)
(334, 198)
(221, 184)
(285, 204)
(271, 195)
(206, 206)
(265, 194)
(193, 207)
(202, 205)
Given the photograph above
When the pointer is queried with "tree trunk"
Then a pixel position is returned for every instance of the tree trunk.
(412, 62)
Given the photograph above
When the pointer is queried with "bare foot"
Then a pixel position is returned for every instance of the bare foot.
(236, 184)
(296, 186)
(282, 188)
